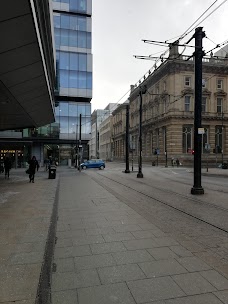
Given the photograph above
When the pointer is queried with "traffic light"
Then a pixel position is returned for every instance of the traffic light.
(193, 152)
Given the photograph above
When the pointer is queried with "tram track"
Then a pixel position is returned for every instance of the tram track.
(211, 183)
(219, 212)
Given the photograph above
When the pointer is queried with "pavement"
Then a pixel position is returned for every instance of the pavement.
(104, 251)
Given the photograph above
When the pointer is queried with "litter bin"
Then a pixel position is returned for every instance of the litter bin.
(153, 163)
(52, 172)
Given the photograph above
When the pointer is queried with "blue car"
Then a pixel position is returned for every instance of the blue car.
(93, 163)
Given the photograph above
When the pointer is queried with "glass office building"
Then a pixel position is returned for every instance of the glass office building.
(72, 25)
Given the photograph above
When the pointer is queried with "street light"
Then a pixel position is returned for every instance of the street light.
(222, 137)
(166, 156)
(142, 91)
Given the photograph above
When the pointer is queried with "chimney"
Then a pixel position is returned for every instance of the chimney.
(173, 50)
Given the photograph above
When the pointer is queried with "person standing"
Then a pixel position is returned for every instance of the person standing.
(7, 166)
(32, 168)
(177, 162)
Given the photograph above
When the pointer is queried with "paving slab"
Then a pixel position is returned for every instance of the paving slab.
(25, 217)
(106, 294)
(216, 279)
(197, 299)
(73, 251)
(193, 283)
(132, 256)
(115, 274)
(140, 244)
(162, 268)
(65, 297)
(162, 253)
(94, 261)
(72, 280)
(154, 289)
(193, 264)
(222, 295)
(107, 247)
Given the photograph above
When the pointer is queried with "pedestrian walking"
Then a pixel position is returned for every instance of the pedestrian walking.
(177, 162)
(172, 161)
(7, 166)
(32, 168)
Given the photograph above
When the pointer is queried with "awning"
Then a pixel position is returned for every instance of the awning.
(26, 64)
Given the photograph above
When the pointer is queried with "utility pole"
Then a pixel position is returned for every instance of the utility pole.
(199, 35)
(127, 139)
(166, 156)
(142, 91)
(222, 135)
(76, 149)
(80, 143)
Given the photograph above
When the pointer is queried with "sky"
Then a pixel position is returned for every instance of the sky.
(118, 27)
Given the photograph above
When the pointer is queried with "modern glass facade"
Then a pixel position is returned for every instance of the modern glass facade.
(72, 27)
(67, 115)
(72, 35)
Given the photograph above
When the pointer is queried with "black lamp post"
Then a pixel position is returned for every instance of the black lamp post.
(142, 91)
(127, 140)
(197, 188)
(166, 156)
(222, 137)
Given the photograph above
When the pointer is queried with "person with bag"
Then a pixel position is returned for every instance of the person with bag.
(7, 166)
(33, 163)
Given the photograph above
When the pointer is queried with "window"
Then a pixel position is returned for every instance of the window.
(218, 139)
(187, 141)
(219, 84)
(82, 24)
(64, 126)
(164, 86)
(219, 105)
(204, 103)
(64, 39)
(187, 100)
(65, 21)
(63, 108)
(204, 83)
(74, 61)
(63, 74)
(82, 62)
(82, 40)
(164, 105)
(73, 38)
(187, 81)
(56, 21)
(64, 61)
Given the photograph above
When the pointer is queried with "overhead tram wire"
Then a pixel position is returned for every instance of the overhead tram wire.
(189, 30)
(217, 46)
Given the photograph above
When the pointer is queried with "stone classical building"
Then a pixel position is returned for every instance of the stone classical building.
(119, 131)
(106, 152)
(168, 113)
(168, 110)
(97, 117)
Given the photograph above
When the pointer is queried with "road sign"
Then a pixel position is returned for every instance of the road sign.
(207, 147)
(201, 130)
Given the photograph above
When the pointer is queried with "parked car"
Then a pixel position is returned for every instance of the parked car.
(93, 163)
